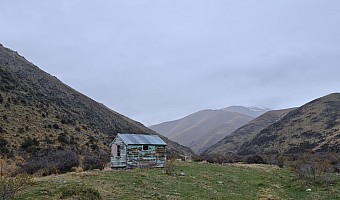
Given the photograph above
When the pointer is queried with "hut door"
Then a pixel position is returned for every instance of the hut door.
(118, 150)
(114, 150)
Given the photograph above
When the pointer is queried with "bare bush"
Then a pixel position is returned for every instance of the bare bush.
(219, 158)
(96, 160)
(170, 167)
(55, 161)
(254, 159)
(280, 161)
(314, 169)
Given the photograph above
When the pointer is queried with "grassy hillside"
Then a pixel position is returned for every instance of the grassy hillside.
(314, 126)
(232, 142)
(193, 181)
(38, 113)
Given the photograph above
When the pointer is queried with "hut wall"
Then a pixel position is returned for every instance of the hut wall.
(145, 156)
(118, 153)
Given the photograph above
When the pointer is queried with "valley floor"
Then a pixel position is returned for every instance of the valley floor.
(192, 181)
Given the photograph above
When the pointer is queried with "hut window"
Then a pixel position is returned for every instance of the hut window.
(145, 147)
(118, 150)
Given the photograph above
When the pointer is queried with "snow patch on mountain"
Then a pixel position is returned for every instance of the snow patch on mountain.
(252, 111)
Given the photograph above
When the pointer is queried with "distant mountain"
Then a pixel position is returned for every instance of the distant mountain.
(38, 112)
(232, 142)
(250, 111)
(202, 129)
(314, 126)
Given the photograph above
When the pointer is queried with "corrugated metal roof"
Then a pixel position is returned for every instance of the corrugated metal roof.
(141, 139)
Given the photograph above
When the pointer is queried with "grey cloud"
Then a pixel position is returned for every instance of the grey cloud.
(160, 60)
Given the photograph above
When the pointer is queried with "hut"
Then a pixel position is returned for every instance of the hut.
(137, 150)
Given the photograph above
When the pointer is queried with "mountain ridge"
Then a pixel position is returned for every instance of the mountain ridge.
(252, 111)
(314, 126)
(197, 129)
(231, 143)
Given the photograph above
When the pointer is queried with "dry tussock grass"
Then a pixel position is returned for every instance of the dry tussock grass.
(8, 166)
(264, 167)
(266, 194)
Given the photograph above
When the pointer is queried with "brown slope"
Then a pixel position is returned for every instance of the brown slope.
(37, 105)
(201, 129)
(218, 133)
(314, 126)
(232, 142)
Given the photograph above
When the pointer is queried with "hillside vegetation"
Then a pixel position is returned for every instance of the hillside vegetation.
(192, 181)
(314, 126)
(231, 143)
(41, 116)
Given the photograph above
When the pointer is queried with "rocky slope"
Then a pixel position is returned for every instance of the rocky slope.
(39, 112)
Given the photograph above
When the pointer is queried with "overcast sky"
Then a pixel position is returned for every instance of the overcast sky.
(160, 60)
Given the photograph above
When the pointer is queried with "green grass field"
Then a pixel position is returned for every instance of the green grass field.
(193, 181)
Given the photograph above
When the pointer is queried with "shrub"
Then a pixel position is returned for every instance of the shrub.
(29, 142)
(170, 167)
(48, 140)
(219, 158)
(94, 147)
(55, 126)
(254, 159)
(91, 139)
(280, 160)
(55, 161)
(77, 169)
(63, 138)
(21, 130)
(335, 161)
(314, 169)
(337, 168)
(95, 160)
(3, 146)
(30, 145)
